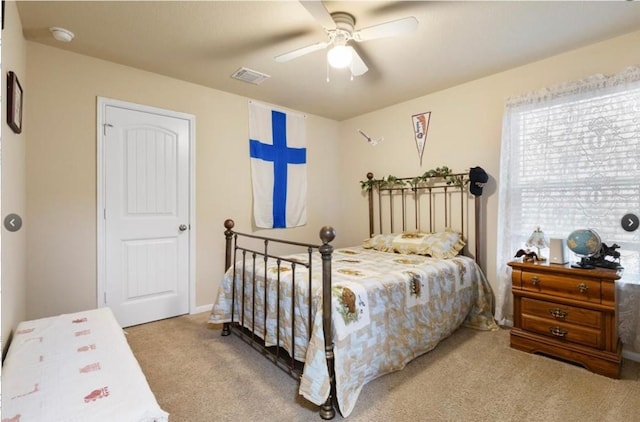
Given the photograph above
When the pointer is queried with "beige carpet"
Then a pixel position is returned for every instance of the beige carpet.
(197, 375)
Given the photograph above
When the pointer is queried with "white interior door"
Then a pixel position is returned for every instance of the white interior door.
(146, 215)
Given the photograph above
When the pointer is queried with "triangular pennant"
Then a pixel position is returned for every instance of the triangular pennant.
(420, 128)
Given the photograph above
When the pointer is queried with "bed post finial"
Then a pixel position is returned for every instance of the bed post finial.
(327, 234)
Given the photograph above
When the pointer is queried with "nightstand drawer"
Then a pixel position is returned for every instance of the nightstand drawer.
(563, 331)
(562, 313)
(575, 288)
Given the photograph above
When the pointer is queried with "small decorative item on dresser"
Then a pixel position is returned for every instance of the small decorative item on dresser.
(584, 243)
(556, 251)
(607, 257)
(568, 313)
(14, 102)
(538, 241)
(526, 256)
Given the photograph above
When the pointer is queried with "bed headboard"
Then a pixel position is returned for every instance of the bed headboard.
(436, 200)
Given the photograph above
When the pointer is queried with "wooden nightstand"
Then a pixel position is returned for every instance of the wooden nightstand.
(568, 313)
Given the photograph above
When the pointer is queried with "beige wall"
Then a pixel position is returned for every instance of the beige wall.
(61, 177)
(465, 127)
(13, 262)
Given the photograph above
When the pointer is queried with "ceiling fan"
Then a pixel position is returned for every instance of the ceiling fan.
(340, 29)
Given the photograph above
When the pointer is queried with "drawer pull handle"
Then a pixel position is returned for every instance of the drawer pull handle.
(558, 332)
(583, 288)
(558, 313)
(535, 280)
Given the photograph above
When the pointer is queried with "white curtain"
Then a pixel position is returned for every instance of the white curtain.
(570, 159)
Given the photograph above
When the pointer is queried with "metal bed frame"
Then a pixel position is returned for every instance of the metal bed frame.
(396, 202)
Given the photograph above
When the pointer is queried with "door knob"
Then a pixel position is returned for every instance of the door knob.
(182, 227)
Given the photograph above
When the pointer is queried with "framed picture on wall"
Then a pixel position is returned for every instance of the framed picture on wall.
(14, 102)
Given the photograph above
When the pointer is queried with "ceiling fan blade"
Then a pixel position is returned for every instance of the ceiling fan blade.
(358, 67)
(300, 52)
(388, 29)
(319, 13)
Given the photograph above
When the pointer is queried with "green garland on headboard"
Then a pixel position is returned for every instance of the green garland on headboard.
(443, 172)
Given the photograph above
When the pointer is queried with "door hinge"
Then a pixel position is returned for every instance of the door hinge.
(105, 297)
(104, 128)
(104, 213)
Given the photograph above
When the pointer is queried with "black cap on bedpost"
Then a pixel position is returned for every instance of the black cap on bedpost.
(327, 234)
(477, 179)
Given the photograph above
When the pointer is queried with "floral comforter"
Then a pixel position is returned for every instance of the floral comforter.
(387, 309)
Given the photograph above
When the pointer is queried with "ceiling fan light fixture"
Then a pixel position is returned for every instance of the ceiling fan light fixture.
(340, 56)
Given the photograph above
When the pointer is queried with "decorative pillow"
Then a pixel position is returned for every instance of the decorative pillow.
(412, 243)
(380, 242)
(446, 244)
(441, 245)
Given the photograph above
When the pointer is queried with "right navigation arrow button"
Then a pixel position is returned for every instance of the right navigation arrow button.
(630, 222)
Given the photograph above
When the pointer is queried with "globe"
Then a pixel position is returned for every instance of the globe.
(584, 243)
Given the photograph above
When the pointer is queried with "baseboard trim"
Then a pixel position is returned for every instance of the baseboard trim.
(202, 308)
(630, 354)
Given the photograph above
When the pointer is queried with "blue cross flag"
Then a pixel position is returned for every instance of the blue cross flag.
(277, 146)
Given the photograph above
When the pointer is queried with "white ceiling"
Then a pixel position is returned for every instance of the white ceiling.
(204, 42)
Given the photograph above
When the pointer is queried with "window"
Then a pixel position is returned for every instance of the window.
(570, 159)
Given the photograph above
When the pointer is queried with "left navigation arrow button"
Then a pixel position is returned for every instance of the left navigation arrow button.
(12, 222)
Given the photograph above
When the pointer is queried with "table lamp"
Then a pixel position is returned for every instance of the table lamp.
(538, 241)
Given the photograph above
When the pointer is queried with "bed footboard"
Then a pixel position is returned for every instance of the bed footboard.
(236, 250)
